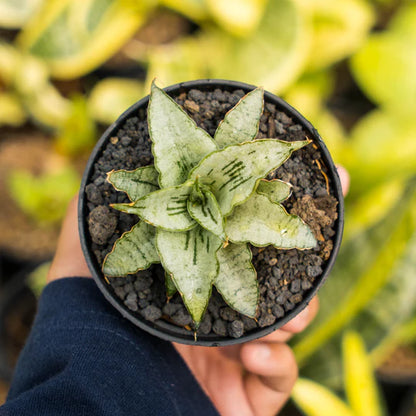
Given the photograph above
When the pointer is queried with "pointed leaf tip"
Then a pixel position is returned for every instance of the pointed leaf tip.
(135, 250)
(165, 208)
(262, 222)
(190, 259)
(178, 144)
(136, 183)
(241, 123)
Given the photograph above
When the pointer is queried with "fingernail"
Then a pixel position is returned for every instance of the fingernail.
(262, 352)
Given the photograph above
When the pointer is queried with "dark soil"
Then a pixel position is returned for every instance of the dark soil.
(285, 276)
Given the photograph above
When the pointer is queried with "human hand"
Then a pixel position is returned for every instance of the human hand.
(252, 379)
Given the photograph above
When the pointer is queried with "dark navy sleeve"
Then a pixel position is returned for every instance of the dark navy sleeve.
(83, 358)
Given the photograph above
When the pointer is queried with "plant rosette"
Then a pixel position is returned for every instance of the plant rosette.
(210, 213)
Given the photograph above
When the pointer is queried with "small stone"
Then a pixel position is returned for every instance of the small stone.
(219, 327)
(277, 273)
(151, 313)
(143, 303)
(128, 287)
(132, 296)
(131, 303)
(249, 323)
(101, 223)
(125, 140)
(273, 261)
(282, 297)
(191, 106)
(236, 328)
(142, 283)
(182, 317)
(196, 95)
(93, 194)
(297, 298)
(99, 181)
(278, 311)
(306, 284)
(271, 295)
(171, 308)
(114, 140)
(206, 324)
(266, 320)
(313, 271)
(288, 305)
(120, 292)
(295, 286)
(228, 314)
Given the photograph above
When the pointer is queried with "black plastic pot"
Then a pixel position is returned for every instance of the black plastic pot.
(166, 330)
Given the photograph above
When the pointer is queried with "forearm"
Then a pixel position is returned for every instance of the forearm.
(83, 358)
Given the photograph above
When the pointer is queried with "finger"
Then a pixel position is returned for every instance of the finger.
(344, 178)
(69, 259)
(272, 374)
(303, 319)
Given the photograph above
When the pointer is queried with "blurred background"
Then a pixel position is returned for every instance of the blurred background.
(68, 68)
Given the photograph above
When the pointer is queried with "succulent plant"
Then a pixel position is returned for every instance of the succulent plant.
(202, 203)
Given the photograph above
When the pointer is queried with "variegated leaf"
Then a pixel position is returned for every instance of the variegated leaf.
(135, 250)
(262, 222)
(165, 208)
(277, 191)
(237, 279)
(135, 183)
(241, 123)
(190, 259)
(204, 209)
(170, 286)
(178, 144)
(232, 173)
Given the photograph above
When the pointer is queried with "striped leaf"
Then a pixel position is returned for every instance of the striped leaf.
(178, 144)
(237, 279)
(262, 222)
(190, 259)
(136, 183)
(360, 384)
(241, 123)
(170, 286)
(133, 251)
(232, 173)
(204, 209)
(277, 191)
(316, 400)
(165, 208)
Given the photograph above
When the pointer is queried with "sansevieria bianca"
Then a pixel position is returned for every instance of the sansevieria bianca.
(203, 202)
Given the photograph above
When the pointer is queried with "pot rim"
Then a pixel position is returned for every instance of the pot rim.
(161, 328)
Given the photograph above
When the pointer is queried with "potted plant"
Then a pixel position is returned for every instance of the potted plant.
(198, 223)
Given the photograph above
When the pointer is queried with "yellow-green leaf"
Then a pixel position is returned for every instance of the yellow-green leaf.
(316, 400)
(177, 143)
(262, 222)
(237, 279)
(135, 183)
(277, 191)
(204, 209)
(360, 384)
(190, 259)
(133, 251)
(241, 123)
(165, 208)
(232, 173)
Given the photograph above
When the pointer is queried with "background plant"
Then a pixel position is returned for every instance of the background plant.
(347, 66)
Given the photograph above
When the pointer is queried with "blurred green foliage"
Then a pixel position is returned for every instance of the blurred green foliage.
(360, 386)
(348, 65)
